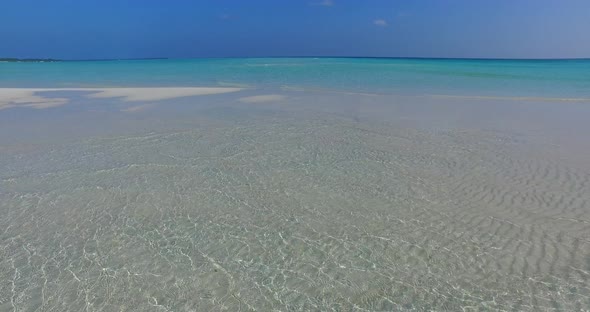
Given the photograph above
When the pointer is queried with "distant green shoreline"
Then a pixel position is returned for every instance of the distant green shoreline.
(11, 59)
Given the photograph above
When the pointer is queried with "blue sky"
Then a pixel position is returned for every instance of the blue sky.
(88, 29)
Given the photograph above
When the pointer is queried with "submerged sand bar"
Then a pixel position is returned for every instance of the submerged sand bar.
(321, 202)
(29, 97)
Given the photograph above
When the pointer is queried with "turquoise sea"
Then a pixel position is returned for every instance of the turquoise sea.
(295, 184)
(540, 78)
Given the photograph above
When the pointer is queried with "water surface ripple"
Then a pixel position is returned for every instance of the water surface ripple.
(294, 211)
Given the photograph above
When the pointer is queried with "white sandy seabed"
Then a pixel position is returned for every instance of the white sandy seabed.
(29, 97)
(326, 202)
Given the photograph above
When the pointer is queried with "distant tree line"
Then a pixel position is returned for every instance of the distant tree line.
(12, 59)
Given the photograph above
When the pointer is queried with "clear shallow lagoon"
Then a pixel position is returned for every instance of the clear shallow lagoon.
(325, 184)
(551, 78)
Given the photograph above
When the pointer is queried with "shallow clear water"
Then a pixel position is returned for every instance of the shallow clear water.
(549, 78)
(312, 199)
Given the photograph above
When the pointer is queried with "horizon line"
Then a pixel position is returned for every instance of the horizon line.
(294, 56)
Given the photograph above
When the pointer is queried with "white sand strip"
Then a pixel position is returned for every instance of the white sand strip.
(25, 97)
(156, 94)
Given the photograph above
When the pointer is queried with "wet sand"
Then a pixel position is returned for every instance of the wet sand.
(298, 201)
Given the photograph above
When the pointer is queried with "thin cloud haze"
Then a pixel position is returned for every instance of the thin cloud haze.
(323, 3)
(380, 22)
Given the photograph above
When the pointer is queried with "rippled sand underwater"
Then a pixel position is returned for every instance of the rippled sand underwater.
(306, 202)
